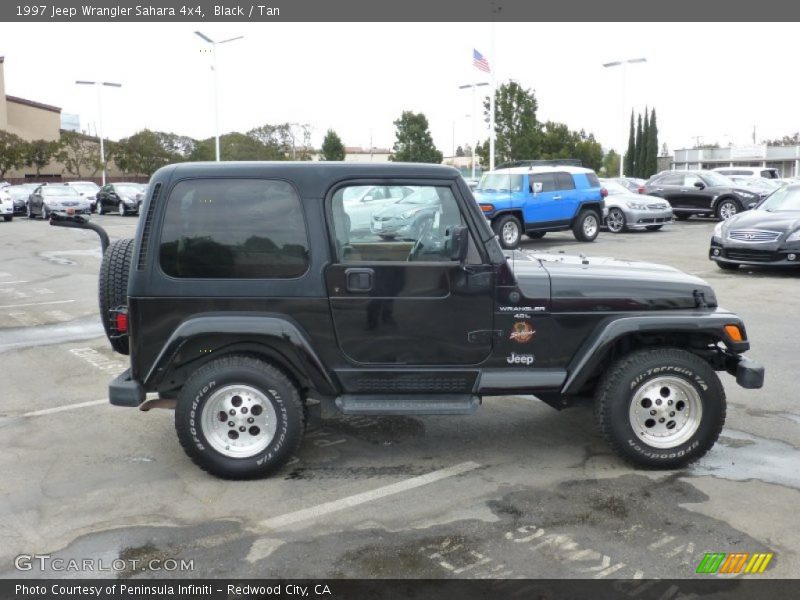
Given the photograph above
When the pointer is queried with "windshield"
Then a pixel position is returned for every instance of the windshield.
(715, 179)
(18, 192)
(500, 182)
(614, 188)
(784, 199)
(58, 191)
(85, 187)
(355, 192)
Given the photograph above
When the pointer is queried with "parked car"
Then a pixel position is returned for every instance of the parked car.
(6, 204)
(704, 193)
(405, 218)
(631, 210)
(48, 198)
(765, 172)
(768, 235)
(87, 189)
(364, 200)
(763, 187)
(19, 195)
(539, 199)
(243, 296)
(122, 198)
(632, 184)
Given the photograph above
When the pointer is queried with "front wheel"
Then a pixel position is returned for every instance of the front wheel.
(586, 226)
(238, 417)
(727, 209)
(508, 230)
(615, 221)
(660, 408)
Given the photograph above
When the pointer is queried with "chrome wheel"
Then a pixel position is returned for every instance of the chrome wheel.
(615, 220)
(510, 233)
(665, 412)
(727, 209)
(590, 225)
(239, 421)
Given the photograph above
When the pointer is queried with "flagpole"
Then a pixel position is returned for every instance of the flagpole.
(491, 102)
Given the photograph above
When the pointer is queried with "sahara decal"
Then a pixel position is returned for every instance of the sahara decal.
(521, 332)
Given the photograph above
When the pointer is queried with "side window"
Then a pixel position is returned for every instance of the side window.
(548, 181)
(234, 229)
(416, 226)
(671, 179)
(689, 180)
(564, 181)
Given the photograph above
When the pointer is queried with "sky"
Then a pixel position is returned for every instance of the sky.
(712, 81)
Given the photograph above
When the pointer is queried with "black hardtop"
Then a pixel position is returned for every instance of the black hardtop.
(313, 178)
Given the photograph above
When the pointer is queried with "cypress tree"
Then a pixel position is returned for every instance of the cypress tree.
(630, 155)
(652, 165)
(641, 158)
(637, 149)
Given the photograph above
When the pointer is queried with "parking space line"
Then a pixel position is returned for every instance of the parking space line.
(37, 303)
(20, 281)
(327, 508)
(58, 409)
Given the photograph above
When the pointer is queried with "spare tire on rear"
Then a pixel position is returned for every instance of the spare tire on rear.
(113, 288)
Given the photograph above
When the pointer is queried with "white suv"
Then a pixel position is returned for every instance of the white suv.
(6, 205)
(765, 172)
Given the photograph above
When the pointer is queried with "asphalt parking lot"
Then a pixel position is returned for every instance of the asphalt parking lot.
(516, 490)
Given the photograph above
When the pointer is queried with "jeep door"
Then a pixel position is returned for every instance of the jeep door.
(403, 300)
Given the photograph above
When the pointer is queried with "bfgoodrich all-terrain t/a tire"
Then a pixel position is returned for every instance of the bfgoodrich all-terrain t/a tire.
(238, 417)
(113, 287)
(660, 408)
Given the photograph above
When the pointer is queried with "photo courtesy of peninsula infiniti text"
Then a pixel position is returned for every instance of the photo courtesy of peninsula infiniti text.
(248, 297)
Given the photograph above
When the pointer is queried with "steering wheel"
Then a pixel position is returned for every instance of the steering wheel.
(418, 245)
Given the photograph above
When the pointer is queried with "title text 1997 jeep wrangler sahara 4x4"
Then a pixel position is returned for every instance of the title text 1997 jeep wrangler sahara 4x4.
(247, 291)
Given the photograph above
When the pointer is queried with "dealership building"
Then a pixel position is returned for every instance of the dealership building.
(784, 158)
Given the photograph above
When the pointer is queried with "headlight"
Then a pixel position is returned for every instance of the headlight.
(636, 205)
(746, 194)
(795, 237)
(718, 230)
(409, 213)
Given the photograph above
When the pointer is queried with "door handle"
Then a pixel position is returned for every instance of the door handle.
(556, 197)
(659, 189)
(359, 280)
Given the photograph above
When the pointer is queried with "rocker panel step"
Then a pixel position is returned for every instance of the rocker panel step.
(408, 404)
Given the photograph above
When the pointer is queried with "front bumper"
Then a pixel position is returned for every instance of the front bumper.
(768, 255)
(394, 227)
(125, 391)
(749, 374)
(639, 219)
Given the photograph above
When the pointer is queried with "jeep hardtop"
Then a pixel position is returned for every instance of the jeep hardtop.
(249, 293)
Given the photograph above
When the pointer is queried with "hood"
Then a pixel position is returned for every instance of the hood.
(603, 284)
(786, 220)
(614, 199)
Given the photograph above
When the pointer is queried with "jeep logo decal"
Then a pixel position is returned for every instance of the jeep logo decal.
(520, 359)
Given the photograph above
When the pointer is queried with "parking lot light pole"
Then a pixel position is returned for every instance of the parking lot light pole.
(99, 85)
(216, 82)
(623, 64)
(474, 134)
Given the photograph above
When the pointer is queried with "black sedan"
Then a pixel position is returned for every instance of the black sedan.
(768, 235)
(122, 198)
(20, 194)
(703, 193)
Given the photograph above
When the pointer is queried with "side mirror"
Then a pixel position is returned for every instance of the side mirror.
(699, 185)
(459, 243)
(537, 187)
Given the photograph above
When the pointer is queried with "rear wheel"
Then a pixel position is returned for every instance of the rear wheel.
(660, 408)
(615, 220)
(113, 288)
(508, 230)
(238, 417)
(586, 226)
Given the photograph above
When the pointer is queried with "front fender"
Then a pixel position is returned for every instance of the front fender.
(608, 332)
(278, 333)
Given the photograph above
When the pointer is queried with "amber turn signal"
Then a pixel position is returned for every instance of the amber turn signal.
(487, 207)
(734, 333)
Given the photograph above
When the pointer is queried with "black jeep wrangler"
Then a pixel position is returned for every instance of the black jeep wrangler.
(251, 288)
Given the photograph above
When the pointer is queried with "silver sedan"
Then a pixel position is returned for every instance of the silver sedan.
(628, 210)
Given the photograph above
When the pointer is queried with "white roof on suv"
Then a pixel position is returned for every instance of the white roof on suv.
(766, 172)
(539, 169)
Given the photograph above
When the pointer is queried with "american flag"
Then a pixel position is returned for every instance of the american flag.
(479, 61)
